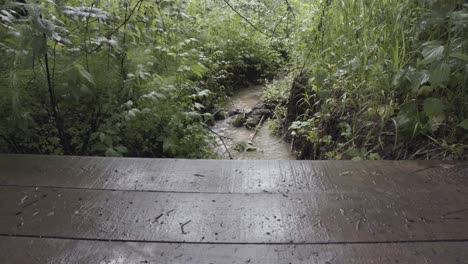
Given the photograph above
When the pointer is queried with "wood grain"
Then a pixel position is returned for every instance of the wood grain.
(59, 251)
(118, 210)
(223, 176)
(234, 218)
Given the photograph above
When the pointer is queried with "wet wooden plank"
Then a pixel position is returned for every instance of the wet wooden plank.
(221, 176)
(319, 217)
(55, 251)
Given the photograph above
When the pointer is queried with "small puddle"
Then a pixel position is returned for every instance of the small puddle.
(269, 147)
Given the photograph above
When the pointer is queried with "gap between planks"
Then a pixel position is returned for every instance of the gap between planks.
(136, 190)
(239, 243)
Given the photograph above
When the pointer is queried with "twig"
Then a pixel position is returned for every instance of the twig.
(455, 212)
(243, 17)
(157, 218)
(120, 26)
(182, 227)
(358, 223)
(257, 128)
(31, 203)
(290, 8)
(216, 133)
(424, 169)
(170, 211)
(227, 149)
(292, 144)
(222, 141)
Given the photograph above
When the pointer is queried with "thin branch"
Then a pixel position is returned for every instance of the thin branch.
(290, 8)
(220, 138)
(55, 63)
(281, 20)
(216, 133)
(183, 225)
(59, 122)
(120, 26)
(227, 149)
(248, 21)
(257, 128)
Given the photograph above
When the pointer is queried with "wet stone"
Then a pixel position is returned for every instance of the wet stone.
(252, 121)
(238, 120)
(220, 115)
(234, 112)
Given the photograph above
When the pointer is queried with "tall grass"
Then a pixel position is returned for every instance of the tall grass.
(367, 66)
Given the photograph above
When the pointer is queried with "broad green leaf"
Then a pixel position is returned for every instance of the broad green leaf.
(84, 89)
(321, 76)
(460, 56)
(39, 44)
(198, 106)
(374, 156)
(94, 136)
(102, 137)
(108, 141)
(89, 12)
(168, 145)
(324, 93)
(353, 152)
(408, 118)
(426, 90)
(121, 149)
(244, 146)
(100, 147)
(131, 114)
(208, 116)
(198, 69)
(421, 77)
(433, 51)
(436, 121)
(110, 152)
(204, 93)
(86, 75)
(464, 124)
(6, 16)
(165, 3)
(440, 74)
(434, 107)
(111, 132)
(129, 103)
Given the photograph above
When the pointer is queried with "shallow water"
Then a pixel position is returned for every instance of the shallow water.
(269, 147)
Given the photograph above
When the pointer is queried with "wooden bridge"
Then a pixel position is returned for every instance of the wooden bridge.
(110, 210)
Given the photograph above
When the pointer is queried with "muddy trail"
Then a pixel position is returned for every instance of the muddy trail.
(255, 143)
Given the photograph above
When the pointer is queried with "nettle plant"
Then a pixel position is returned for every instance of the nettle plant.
(436, 104)
(386, 78)
(76, 63)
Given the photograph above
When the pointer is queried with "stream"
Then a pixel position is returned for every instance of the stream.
(268, 147)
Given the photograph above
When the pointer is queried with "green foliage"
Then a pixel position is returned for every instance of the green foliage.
(121, 77)
(378, 79)
(387, 79)
(278, 91)
(244, 146)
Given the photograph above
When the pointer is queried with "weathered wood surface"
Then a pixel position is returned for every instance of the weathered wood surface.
(60, 251)
(224, 176)
(234, 218)
(134, 210)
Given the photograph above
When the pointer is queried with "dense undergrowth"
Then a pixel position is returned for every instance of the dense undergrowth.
(361, 79)
(121, 77)
(378, 79)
